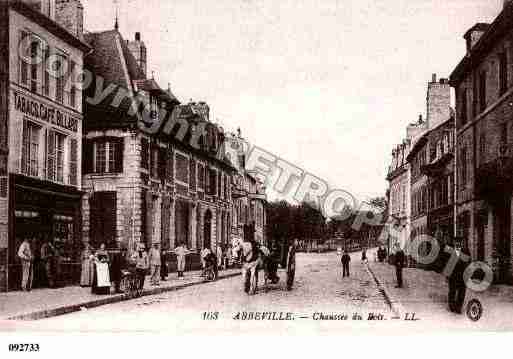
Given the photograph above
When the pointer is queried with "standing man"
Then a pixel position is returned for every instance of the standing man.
(141, 264)
(457, 287)
(25, 255)
(47, 258)
(219, 253)
(345, 264)
(181, 251)
(399, 264)
(155, 264)
(118, 263)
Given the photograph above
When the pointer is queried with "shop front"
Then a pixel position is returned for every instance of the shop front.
(42, 210)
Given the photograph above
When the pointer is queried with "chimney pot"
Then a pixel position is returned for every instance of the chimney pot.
(433, 78)
(137, 36)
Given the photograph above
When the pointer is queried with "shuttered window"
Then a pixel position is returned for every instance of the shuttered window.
(30, 151)
(73, 162)
(108, 155)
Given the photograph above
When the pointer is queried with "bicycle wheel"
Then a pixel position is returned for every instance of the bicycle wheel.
(125, 285)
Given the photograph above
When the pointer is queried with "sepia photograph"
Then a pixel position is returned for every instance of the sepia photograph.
(257, 167)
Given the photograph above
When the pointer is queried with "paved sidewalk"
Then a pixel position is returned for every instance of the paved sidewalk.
(425, 293)
(45, 303)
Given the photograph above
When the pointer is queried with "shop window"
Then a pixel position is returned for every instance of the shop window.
(30, 151)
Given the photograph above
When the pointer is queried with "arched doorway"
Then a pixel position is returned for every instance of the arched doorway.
(207, 229)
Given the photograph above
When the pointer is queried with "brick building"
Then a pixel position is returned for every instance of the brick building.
(40, 133)
(484, 93)
(144, 184)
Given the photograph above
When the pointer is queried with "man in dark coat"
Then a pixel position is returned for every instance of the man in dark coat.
(119, 262)
(399, 265)
(457, 287)
(345, 264)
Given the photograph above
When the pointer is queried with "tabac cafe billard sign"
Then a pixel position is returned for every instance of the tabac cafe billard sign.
(40, 111)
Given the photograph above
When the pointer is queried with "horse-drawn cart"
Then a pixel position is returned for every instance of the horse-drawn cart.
(257, 258)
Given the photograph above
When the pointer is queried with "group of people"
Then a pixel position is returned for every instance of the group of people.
(43, 261)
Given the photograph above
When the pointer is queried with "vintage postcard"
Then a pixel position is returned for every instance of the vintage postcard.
(255, 166)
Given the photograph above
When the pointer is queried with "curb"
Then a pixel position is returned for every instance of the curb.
(116, 298)
(389, 299)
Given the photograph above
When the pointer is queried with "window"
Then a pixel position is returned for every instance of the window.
(474, 94)
(463, 106)
(212, 182)
(482, 91)
(503, 73)
(182, 168)
(201, 177)
(154, 165)
(73, 162)
(55, 156)
(30, 67)
(504, 133)
(59, 68)
(30, 151)
(108, 155)
(72, 90)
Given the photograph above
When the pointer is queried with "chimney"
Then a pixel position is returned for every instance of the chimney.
(138, 49)
(473, 35)
(438, 102)
(70, 15)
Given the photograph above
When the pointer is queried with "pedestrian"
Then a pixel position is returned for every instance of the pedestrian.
(346, 259)
(457, 286)
(118, 264)
(26, 257)
(155, 262)
(101, 276)
(181, 251)
(86, 275)
(364, 256)
(48, 261)
(399, 265)
(219, 253)
(204, 254)
(141, 264)
(163, 266)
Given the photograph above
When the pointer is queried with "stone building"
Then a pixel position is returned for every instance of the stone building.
(147, 178)
(249, 198)
(431, 173)
(484, 93)
(40, 134)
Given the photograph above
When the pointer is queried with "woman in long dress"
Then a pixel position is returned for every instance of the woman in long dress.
(86, 276)
(101, 259)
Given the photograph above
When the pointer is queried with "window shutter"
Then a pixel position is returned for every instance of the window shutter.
(87, 161)
(119, 146)
(26, 148)
(73, 162)
(162, 163)
(50, 156)
(145, 153)
(192, 173)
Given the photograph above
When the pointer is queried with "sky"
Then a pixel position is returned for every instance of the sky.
(328, 85)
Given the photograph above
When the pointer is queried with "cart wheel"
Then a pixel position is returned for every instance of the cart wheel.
(291, 270)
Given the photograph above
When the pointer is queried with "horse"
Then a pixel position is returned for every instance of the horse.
(254, 259)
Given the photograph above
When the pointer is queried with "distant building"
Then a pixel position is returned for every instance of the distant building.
(483, 82)
(249, 197)
(431, 167)
(40, 134)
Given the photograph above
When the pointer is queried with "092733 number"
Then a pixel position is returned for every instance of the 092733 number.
(23, 347)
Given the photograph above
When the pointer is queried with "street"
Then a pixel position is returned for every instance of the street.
(321, 300)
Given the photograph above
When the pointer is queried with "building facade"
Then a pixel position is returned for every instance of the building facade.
(41, 134)
(145, 186)
(483, 83)
(431, 167)
(249, 198)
